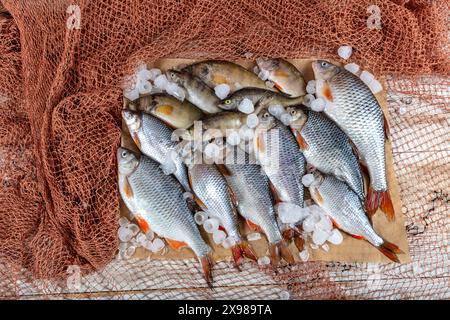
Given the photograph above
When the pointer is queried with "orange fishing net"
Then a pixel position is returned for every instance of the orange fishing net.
(61, 66)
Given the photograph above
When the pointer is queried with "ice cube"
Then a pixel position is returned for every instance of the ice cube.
(311, 87)
(345, 52)
(325, 247)
(314, 246)
(284, 295)
(256, 70)
(176, 91)
(375, 86)
(141, 239)
(168, 167)
(276, 110)
(264, 74)
(212, 150)
(286, 119)
(222, 90)
(252, 120)
(402, 110)
(144, 75)
(219, 236)
(134, 228)
(320, 236)
(246, 133)
(154, 73)
(233, 138)
(325, 223)
(123, 221)
(228, 243)
(246, 106)
(144, 87)
(308, 99)
(150, 235)
(131, 93)
(211, 225)
(307, 179)
(335, 237)
(308, 224)
(316, 212)
(367, 77)
(270, 84)
(304, 255)
(188, 195)
(200, 217)
(318, 105)
(161, 82)
(157, 245)
(129, 252)
(264, 261)
(352, 67)
(123, 246)
(289, 212)
(253, 236)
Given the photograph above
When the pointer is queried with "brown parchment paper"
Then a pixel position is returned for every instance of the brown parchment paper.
(350, 250)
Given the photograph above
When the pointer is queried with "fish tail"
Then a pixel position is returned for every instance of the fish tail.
(285, 253)
(240, 250)
(274, 254)
(390, 250)
(299, 242)
(380, 199)
(207, 270)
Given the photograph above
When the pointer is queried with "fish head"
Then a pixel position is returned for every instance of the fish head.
(177, 76)
(127, 161)
(298, 116)
(324, 70)
(230, 103)
(268, 64)
(266, 120)
(133, 119)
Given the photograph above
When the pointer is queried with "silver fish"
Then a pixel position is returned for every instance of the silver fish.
(197, 92)
(255, 203)
(215, 197)
(154, 139)
(353, 107)
(346, 211)
(326, 147)
(156, 201)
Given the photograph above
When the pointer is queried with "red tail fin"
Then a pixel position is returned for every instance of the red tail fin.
(390, 250)
(206, 266)
(387, 206)
(274, 255)
(299, 242)
(286, 254)
(238, 251)
(381, 199)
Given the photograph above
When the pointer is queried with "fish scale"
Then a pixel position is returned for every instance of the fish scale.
(329, 150)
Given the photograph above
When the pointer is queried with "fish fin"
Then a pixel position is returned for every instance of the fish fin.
(176, 245)
(355, 149)
(127, 189)
(165, 109)
(390, 250)
(274, 254)
(143, 224)
(300, 140)
(239, 250)
(219, 79)
(288, 234)
(274, 192)
(299, 241)
(223, 169)
(136, 140)
(335, 224)
(326, 92)
(285, 253)
(260, 145)
(319, 199)
(381, 199)
(386, 127)
(207, 272)
(253, 226)
(196, 199)
(281, 73)
(233, 198)
(357, 236)
(364, 168)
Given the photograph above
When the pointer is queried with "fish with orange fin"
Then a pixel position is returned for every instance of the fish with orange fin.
(286, 77)
(354, 108)
(255, 203)
(216, 198)
(344, 208)
(156, 200)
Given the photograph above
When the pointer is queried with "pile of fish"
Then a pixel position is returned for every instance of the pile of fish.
(194, 122)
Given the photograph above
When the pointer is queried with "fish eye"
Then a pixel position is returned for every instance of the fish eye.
(292, 112)
(266, 115)
(324, 64)
(228, 101)
(124, 154)
(172, 74)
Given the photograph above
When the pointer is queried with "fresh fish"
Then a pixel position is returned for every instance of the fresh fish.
(176, 114)
(347, 213)
(215, 197)
(281, 159)
(353, 107)
(286, 77)
(215, 72)
(255, 203)
(197, 92)
(221, 122)
(256, 95)
(156, 201)
(326, 147)
(154, 139)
